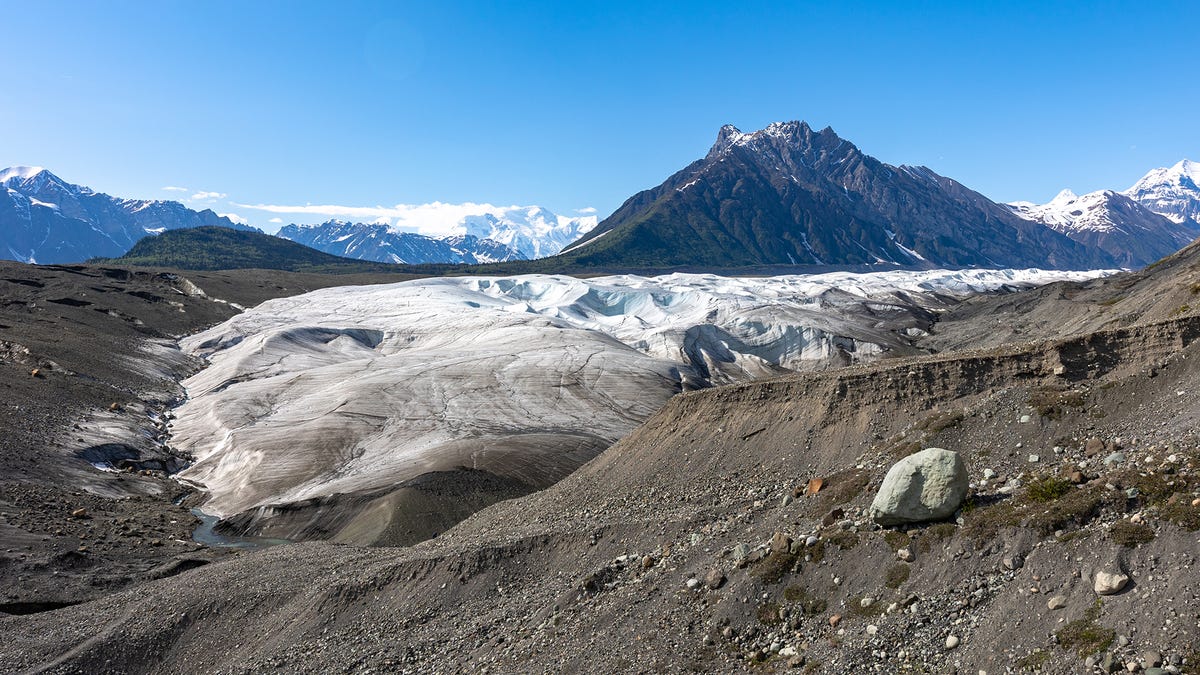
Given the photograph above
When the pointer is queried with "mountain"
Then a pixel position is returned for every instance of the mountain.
(45, 219)
(222, 248)
(791, 195)
(1173, 192)
(448, 233)
(374, 241)
(1129, 231)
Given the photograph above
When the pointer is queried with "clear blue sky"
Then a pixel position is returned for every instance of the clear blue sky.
(580, 104)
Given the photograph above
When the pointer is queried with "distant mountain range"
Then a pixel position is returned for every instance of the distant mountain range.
(1154, 218)
(784, 197)
(473, 233)
(44, 219)
(789, 194)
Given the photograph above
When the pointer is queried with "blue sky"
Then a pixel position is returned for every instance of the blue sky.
(580, 104)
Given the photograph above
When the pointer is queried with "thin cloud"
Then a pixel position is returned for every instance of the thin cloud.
(275, 220)
(586, 210)
(173, 188)
(205, 196)
(331, 210)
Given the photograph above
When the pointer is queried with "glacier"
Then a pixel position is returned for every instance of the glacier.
(352, 389)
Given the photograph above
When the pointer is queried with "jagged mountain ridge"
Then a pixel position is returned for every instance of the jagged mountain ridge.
(45, 219)
(377, 242)
(1131, 232)
(789, 194)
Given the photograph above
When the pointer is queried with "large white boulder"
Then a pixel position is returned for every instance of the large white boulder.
(928, 485)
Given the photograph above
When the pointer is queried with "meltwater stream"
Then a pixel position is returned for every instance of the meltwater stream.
(206, 534)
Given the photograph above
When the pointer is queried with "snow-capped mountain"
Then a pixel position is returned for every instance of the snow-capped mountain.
(792, 195)
(379, 242)
(448, 233)
(1131, 233)
(532, 231)
(1173, 192)
(45, 219)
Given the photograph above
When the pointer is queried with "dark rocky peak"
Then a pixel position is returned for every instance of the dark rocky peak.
(784, 146)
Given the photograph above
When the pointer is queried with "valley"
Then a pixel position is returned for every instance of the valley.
(632, 562)
(488, 464)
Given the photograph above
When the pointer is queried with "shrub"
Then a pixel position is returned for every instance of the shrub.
(809, 605)
(1130, 534)
(1048, 489)
(843, 539)
(1054, 403)
(896, 539)
(939, 421)
(896, 575)
(768, 614)
(1084, 635)
(775, 566)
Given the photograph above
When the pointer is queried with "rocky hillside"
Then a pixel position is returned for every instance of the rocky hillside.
(221, 248)
(791, 195)
(732, 530)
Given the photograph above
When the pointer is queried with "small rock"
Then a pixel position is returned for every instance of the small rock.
(36, 372)
(787, 652)
(741, 552)
(1115, 458)
(647, 562)
(872, 629)
(115, 407)
(1108, 583)
(780, 542)
(1034, 459)
(1076, 477)
(1093, 447)
(835, 620)
(714, 579)
(1057, 602)
(866, 602)
(79, 513)
(692, 582)
(952, 641)
(905, 555)
(832, 517)
(1152, 659)
(811, 541)
(1025, 419)
(1013, 562)
(988, 474)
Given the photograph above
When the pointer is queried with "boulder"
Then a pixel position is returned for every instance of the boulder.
(928, 485)
(1109, 583)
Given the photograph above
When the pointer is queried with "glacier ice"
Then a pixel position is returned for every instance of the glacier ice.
(348, 389)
